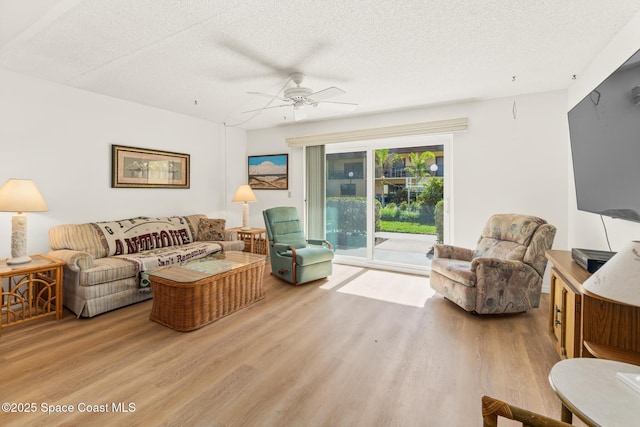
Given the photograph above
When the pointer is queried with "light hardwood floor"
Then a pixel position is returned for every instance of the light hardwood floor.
(303, 356)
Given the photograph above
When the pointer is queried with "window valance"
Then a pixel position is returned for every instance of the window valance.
(425, 128)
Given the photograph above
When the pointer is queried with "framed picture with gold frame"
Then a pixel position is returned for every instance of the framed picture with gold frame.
(144, 168)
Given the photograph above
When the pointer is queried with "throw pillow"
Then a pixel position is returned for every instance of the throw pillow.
(211, 229)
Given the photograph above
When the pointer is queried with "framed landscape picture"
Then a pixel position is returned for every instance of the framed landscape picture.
(269, 172)
(144, 168)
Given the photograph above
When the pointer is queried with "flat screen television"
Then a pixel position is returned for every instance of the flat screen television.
(604, 129)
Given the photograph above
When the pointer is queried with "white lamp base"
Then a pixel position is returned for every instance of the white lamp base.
(18, 260)
(18, 240)
(245, 217)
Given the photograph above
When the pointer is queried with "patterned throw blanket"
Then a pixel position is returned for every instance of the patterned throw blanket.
(153, 242)
(150, 260)
(129, 236)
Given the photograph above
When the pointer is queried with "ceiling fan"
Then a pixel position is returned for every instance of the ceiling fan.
(300, 97)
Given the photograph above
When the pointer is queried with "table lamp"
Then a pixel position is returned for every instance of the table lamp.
(245, 195)
(619, 280)
(20, 195)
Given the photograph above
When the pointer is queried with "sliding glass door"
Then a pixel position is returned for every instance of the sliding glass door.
(385, 200)
(346, 202)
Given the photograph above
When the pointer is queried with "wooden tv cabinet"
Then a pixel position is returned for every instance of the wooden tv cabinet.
(582, 324)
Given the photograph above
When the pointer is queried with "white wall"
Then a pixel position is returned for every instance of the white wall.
(235, 170)
(586, 229)
(61, 138)
(498, 165)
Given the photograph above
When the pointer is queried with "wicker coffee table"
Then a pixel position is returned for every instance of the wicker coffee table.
(193, 294)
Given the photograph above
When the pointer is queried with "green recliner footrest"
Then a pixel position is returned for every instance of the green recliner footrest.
(309, 256)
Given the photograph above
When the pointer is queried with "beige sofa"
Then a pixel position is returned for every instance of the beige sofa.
(108, 262)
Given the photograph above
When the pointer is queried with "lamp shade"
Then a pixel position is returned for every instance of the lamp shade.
(244, 193)
(619, 278)
(21, 195)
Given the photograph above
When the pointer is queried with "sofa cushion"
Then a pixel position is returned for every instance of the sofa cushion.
(107, 270)
(194, 222)
(211, 229)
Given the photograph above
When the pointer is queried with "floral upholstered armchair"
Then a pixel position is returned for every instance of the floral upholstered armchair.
(503, 274)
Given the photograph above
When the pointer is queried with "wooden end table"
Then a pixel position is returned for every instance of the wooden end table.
(33, 290)
(255, 240)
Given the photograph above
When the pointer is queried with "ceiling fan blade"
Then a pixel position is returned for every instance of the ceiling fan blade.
(267, 108)
(254, 55)
(267, 95)
(327, 93)
(338, 106)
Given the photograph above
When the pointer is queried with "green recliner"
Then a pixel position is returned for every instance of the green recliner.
(293, 257)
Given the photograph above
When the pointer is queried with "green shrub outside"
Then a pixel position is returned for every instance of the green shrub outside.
(378, 208)
(433, 192)
(389, 212)
(407, 227)
(348, 215)
(409, 216)
(439, 219)
(414, 212)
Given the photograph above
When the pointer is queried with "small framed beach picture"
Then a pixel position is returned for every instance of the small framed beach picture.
(144, 168)
(269, 172)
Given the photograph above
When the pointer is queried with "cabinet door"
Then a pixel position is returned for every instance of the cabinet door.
(555, 312)
(564, 317)
(570, 322)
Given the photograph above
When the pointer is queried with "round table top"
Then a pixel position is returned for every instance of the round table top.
(591, 389)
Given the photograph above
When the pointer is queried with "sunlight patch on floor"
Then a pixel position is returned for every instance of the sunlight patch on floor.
(391, 287)
(341, 273)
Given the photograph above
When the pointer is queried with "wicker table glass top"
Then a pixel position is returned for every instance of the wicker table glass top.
(198, 269)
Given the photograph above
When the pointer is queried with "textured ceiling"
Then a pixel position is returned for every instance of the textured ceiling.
(385, 54)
